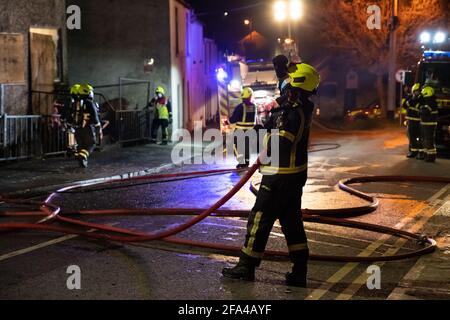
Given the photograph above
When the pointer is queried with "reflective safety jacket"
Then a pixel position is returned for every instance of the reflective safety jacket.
(83, 113)
(163, 108)
(244, 116)
(429, 112)
(412, 106)
(293, 123)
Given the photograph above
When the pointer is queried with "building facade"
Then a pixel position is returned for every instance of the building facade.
(143, 44)
(33, 54)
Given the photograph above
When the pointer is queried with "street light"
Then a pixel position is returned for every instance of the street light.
(440, 37)
(280, 11)
(425, 37)
(288, 11)
(296, 10)
(249, 23)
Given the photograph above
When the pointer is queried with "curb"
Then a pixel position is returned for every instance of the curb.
(39, 191)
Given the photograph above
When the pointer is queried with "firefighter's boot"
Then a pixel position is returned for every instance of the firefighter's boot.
(83, 162)
(243, 271)
(242, 166)
(297, 278)
(431, 158)
(421, 156)
(412, 155)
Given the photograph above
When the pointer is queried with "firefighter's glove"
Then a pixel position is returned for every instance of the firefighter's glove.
(281, 66)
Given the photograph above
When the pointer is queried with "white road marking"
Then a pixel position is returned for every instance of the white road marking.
(41, 246)
(36, 247)
(348, 268)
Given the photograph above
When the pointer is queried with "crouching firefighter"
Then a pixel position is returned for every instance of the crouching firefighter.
(162, 116)
(282, 185)
(412, 106)
(429, 120)
(244, 117)
(86, 122)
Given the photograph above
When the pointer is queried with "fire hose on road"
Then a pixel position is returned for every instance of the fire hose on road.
(50, 213)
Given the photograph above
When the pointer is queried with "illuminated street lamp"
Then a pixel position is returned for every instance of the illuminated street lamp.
(249, 23)
(280, 11)
(425, 37)
(288, 11)
(440, 37)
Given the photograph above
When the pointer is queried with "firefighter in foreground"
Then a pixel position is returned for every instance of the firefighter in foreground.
(428, 121)
(244, 118)
(162, 115)
(282, 186)
(83, 116)
(412, 106)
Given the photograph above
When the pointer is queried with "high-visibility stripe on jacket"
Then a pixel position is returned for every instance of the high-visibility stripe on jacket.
(293, 122)
(244, 116)
(429, 112)
(412, 107)
(84, 113)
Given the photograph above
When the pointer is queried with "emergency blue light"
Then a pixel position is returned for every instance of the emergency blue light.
(436, 54)
(222, 75)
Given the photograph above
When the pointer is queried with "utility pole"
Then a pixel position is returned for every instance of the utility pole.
(289, 30)
(392, 91)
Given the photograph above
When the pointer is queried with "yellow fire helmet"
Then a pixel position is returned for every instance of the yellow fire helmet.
(427, 92)
(247, 93)
(86, 90)
(304, 76)
(160, 90)
(415, 87)
(75, 90)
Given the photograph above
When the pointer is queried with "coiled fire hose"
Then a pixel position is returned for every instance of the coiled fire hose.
(52, 213)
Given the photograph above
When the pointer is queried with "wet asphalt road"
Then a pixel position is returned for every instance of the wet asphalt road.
(33, 265)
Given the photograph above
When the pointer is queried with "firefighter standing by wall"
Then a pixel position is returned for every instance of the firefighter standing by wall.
(162, 115)
(85, 120)
(244, 117)
(282, 186)
(429, 121)
(412, 106)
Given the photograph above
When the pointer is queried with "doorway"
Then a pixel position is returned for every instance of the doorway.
(44, 48)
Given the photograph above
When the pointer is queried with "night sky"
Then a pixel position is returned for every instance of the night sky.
(227, 31)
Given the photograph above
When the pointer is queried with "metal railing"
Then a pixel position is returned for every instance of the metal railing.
(28, 136)
(54, 138)
(19, 137)
(132, 126)
(24, 137)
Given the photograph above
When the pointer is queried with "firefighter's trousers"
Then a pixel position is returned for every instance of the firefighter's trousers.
(160, 123)
(414, 135)
(86, 141)
(429, 139)
(278, 198)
